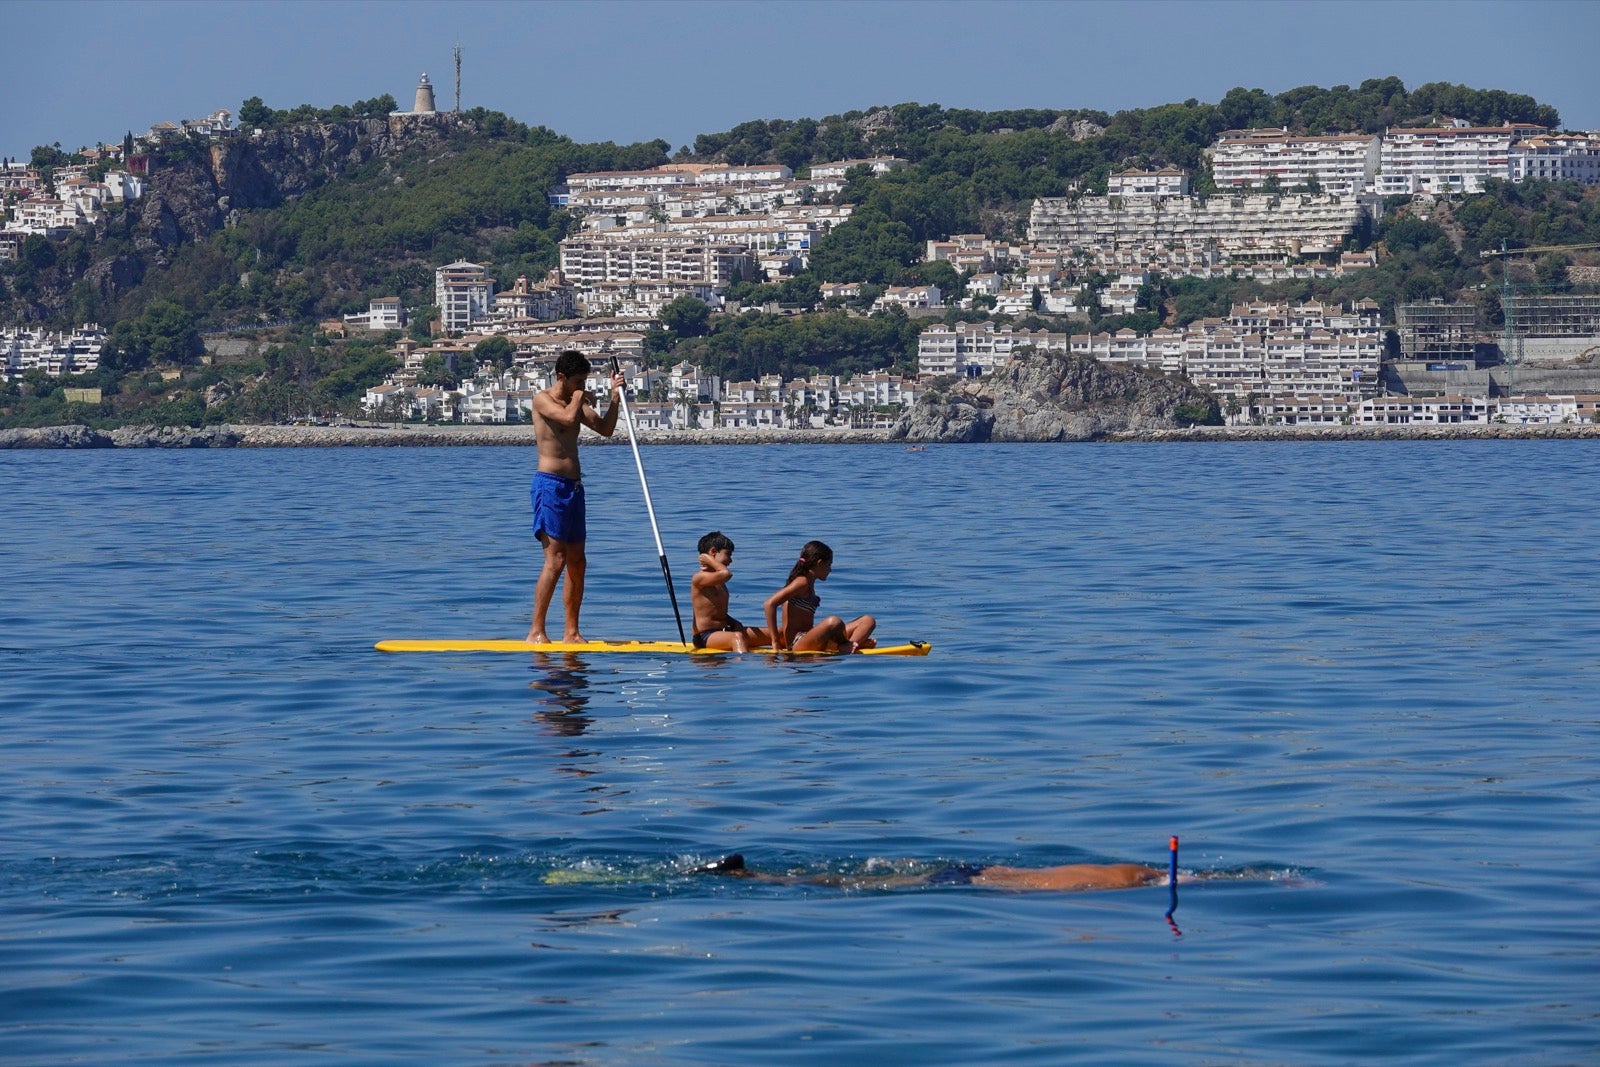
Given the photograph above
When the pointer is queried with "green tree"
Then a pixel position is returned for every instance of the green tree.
(686, 317)
(254, 113)
(435, 371)
(1551, 270)
(164, 335)
(495, 351)
(952, 285)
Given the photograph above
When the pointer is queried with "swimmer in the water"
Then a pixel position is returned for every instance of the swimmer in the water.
(1070, 877)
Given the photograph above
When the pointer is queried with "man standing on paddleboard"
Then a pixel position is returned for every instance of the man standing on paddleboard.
(558, 513)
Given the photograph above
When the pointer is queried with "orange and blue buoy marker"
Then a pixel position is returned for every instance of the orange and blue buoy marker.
(1172, 879)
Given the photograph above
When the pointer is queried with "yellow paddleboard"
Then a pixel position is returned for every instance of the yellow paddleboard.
(911, 648)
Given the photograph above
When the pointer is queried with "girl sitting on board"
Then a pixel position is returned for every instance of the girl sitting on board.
(802, 631)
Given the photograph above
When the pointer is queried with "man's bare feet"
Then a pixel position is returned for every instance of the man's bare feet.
(575, 638)
(536, 637)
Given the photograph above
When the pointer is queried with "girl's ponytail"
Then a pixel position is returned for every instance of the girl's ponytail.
(811, 554)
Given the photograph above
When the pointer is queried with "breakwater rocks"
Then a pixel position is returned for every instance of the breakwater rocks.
(442, 436)
(1051, 397)
(1414, 432)
(123, 437)
(400, 436)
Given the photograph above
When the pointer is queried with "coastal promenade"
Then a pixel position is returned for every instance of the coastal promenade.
(403, 436)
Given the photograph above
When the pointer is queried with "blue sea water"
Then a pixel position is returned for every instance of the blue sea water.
(1360, 682)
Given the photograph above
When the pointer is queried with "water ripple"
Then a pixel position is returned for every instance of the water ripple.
(1354, 678)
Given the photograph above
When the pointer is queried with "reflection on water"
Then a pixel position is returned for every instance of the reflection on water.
(559, 682)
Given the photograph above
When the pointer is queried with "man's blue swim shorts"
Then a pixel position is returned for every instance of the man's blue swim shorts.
(558, 508)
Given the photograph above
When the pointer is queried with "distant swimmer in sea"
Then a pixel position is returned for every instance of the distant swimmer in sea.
(1067, 878)
(708, 593)
(558, 504)
(801, 630)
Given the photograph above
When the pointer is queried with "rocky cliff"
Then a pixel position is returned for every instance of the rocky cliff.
(247, 172)
(1048, 397)
(194, 190)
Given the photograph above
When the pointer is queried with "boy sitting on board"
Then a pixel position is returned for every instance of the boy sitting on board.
(708, 593)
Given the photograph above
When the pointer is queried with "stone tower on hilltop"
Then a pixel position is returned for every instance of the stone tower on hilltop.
(424, 101)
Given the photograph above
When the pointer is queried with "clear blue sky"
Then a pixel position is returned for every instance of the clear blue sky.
(88, 71)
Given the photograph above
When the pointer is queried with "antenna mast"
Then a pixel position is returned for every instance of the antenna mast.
(458, 77)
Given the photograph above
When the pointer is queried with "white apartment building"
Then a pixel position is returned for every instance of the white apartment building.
(1248, 159)
(595, 259)
(1239, 227)
(1121, 297)
(17, 174)
(464, 294)
(121, 185)
(597, 347)
(1423, 410)
(598, 324)
(1530, 409)
(669, 181)
(643, 298)
(1449, 159)
(49, 216)
(909, 296)
(1537, 409)
(600, 206)
(662, 177)
(1556, 157)
(1014, 301)
(990, 285)
(77, 352)
(1300, 411)
(1277, 352)
(974, 252)
(876, 389)
(812, 399)
(1168, 181)
(757, 174)
(839, 168)
(551, 298)
(970, 349)
(217, 124)
(488, 405)
(685, 381)
(750, 415)
(385, 313)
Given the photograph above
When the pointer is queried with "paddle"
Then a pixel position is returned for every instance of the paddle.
(666, 571)
(1172, 883)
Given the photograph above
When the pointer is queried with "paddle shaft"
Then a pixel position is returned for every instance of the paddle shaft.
(666, 571)
(1172, 878)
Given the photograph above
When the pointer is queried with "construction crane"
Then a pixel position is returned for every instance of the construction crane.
(1504, 251)
(1507, 346)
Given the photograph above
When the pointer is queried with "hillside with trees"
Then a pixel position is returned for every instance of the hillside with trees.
(331, 207)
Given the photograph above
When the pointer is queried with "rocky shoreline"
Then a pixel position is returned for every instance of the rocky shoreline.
(1419, 432)
(235, 436)
(400, 436)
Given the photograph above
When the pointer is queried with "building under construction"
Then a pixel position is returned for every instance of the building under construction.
(1437, 333)
(1564, 326)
